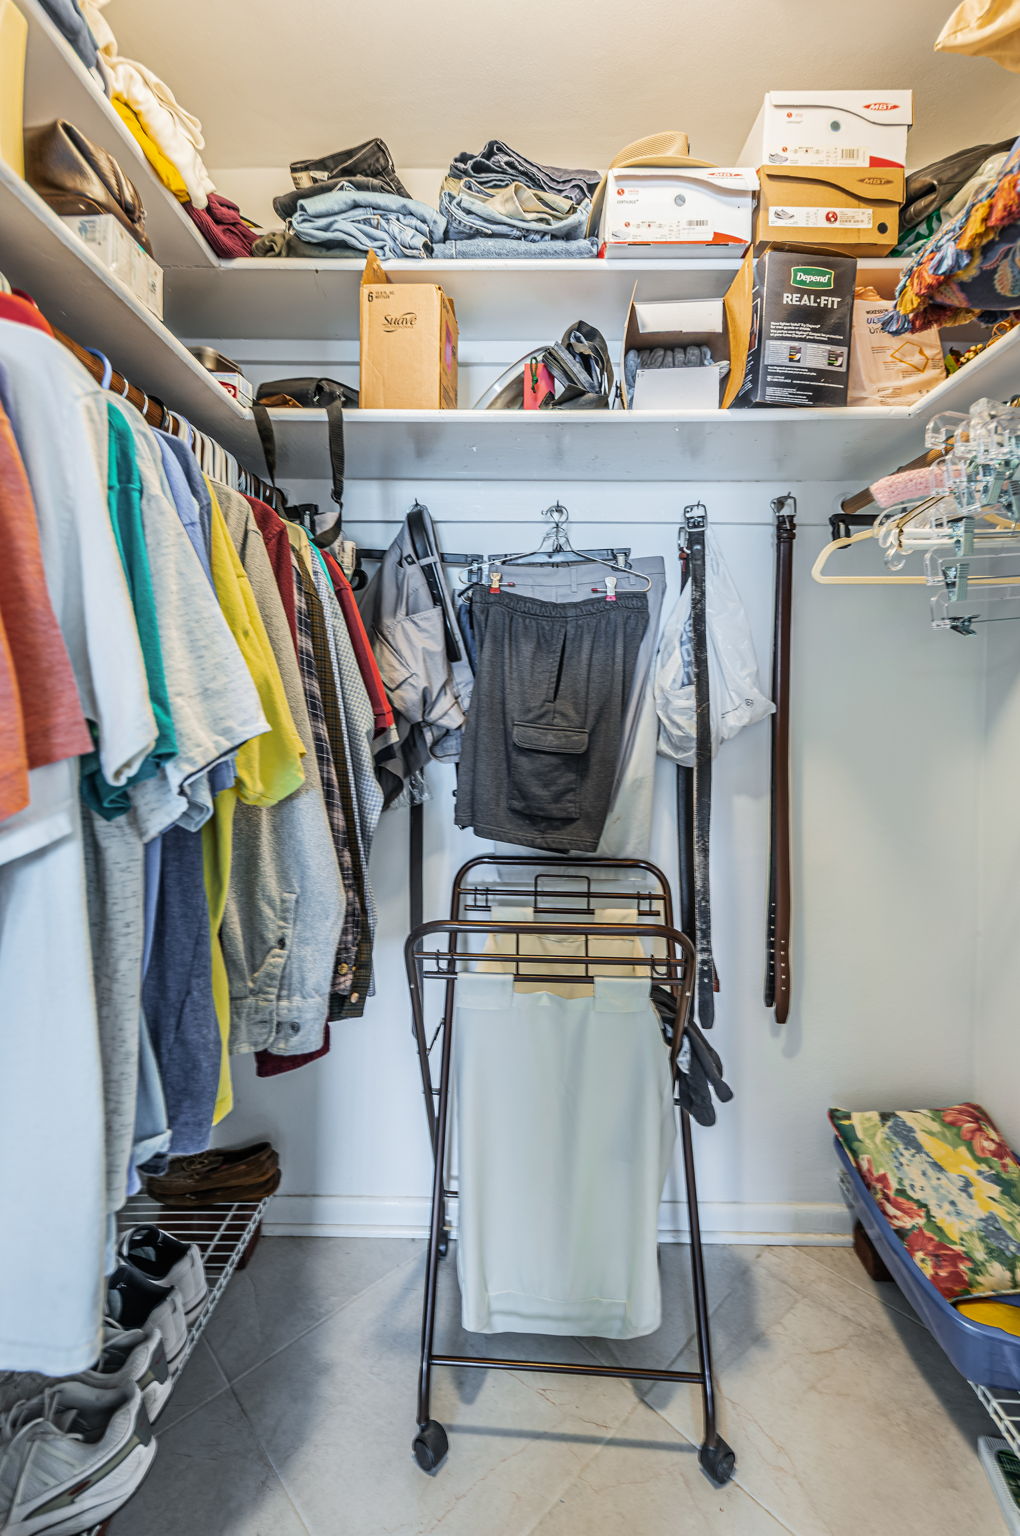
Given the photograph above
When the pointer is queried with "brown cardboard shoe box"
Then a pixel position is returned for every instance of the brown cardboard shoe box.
(408, 344)
(854, 210)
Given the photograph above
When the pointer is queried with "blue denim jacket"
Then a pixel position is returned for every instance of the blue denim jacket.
(370, 221)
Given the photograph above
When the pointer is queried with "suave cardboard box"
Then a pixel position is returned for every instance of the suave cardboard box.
(790, 317)
(856, 209)
(674, 211)
(408, 344)
(831, 128)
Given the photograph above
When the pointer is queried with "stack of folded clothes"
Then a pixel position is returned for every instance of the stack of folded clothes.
(169, 137)
(492, 204)
(498, 203)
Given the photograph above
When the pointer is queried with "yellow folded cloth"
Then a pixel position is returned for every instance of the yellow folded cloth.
(165, 169)
(993, 1314)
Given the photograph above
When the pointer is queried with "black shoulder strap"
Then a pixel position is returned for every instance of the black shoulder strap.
(325, 393)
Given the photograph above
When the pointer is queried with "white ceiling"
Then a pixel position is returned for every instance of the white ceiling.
(567, 82)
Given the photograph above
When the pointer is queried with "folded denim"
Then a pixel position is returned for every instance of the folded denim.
(286, 205)
(496, 164)
(478, 248)
(370, 221)
(515, 200)
(372, 158)
(469, 216)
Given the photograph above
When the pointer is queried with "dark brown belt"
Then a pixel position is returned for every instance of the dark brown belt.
(778, 981)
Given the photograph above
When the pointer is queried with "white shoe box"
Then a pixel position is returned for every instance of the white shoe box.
(670, 211)
(836, 128)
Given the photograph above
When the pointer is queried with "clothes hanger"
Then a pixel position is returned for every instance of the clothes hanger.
(561, 544)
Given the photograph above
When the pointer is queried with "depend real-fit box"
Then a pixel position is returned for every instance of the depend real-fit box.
(790, 317)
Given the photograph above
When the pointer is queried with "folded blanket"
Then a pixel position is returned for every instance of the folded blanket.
(949, 1186)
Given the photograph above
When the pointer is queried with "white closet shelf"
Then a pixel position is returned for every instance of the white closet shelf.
(304, 299)
(853, 443)
(40, 254)
(57, 85)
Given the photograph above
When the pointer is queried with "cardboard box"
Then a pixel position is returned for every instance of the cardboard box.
(237, 385)
(112, 245)
(672, 323)
(674, 211)
(842, 128)
(13, 46)
(855, 209)
(790, 317)
(408, 344)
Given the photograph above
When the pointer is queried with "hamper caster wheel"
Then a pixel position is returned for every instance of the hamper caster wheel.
(444, 1242)
(430, 1445)
(718, 1461)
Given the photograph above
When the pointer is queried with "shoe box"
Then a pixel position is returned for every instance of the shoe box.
(671, 211)
(852, 209)
(831, 128)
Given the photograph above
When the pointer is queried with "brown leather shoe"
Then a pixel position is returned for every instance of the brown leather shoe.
(221, 1174)
(222, 1194)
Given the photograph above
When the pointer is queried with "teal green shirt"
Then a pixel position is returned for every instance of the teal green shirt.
(124, 489)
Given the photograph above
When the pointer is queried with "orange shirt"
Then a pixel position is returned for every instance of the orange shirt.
(52, 724)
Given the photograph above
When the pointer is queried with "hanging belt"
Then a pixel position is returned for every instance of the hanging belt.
(694, 540)
(777, 966)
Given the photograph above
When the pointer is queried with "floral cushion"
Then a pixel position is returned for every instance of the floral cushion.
(949, 1186)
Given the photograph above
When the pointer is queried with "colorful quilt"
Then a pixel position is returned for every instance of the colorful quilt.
(949, 1186)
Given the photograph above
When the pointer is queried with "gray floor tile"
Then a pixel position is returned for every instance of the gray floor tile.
(647, 1481)
(845, 1263)
(292, 1284)
(200, 1380)
(344, 1395)
(844, 1414)
(210, 1476)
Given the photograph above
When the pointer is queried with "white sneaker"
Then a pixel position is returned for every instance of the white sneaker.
(164, 1258)
(70, 1458)
(133, 1355)
(134, 1301)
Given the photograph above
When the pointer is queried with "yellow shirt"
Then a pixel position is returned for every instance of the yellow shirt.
(165, 169)
(268, 767)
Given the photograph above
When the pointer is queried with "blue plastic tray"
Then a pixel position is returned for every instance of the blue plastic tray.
(984, 1355)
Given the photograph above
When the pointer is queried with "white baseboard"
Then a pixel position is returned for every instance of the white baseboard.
(364, 1216)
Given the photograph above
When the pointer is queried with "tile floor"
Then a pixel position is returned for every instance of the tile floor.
(295, 1415)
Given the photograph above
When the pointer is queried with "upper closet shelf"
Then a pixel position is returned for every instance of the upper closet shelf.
(57, 85)
(851, 444)
(77, 294)
(303, 299)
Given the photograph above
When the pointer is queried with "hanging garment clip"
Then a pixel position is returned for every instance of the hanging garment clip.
(495, 580)
(610, 589)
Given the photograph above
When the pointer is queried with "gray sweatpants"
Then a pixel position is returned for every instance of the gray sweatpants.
(544, 730)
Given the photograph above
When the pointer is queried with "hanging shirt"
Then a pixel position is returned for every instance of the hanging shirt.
(58, 414)
(215, 704)
(54, 726)
(124, 485)
(50, 1033)
(285, 906)
(13, 752)
(370, 674)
